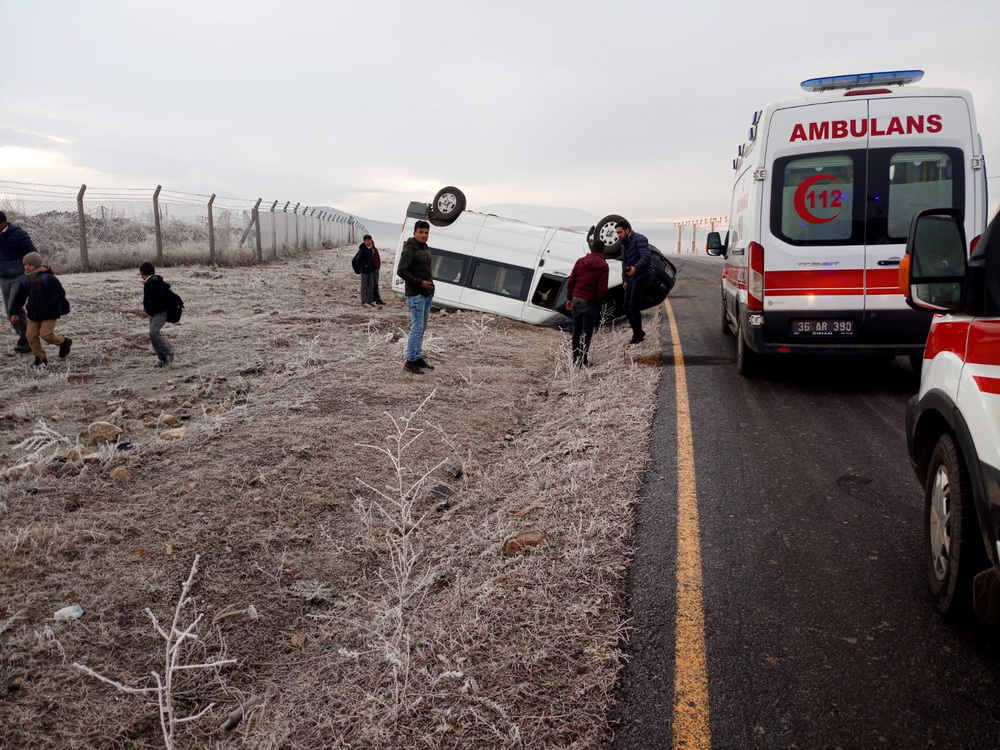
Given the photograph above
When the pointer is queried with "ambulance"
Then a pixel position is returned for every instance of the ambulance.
(493, 264)
(826, 185)
(953, 423)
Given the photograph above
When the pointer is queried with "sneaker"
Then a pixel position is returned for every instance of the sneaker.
(170, 358)
(65, 346)
(380, 303)
(22, 349)
(39, 364)
(413, 367)
(638, 339)
(422, 364)
(162, 362)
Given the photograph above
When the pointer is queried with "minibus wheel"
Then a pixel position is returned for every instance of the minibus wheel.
(605, 232)
(447, 205)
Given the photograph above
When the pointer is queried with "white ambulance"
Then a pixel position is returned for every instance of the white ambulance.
(826, 186)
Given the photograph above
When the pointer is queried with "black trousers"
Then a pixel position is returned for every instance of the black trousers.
(635, 290)
(586, 315)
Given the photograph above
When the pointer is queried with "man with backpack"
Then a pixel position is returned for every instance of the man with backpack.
(14, 245)
(42, 295)
(368, 262)
(156, 299)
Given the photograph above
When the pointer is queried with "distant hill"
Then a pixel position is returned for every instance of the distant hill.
(384, 233)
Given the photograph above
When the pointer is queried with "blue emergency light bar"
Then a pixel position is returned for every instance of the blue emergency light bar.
(886, 78)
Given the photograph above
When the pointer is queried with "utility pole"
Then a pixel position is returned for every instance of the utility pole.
(711, 222)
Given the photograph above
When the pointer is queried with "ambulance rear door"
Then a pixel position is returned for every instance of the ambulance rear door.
(813, 223)
(920, 149)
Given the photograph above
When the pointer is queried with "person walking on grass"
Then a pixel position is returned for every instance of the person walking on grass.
(637, 271)
(370, 262)
(14, 245)
(415, 269)
(586, 288)
(37, 303)
(154, 303)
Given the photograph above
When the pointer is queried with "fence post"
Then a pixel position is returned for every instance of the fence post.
(84, 261)
(295, 213)
(211, 232)
(285, 212)
(256, 221)
(156, 224)
(274, 230)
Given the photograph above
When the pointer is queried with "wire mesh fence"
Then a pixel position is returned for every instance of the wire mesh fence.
(97, 229)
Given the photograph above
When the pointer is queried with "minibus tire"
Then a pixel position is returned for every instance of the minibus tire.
(748, 362)
(604, 230)
(448, 204)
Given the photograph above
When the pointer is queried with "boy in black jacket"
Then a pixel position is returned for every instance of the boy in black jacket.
(46, 303)
(154, 303)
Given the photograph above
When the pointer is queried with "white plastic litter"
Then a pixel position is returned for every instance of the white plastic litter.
(72, 612)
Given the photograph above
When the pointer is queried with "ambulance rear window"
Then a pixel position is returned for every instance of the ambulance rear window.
(816, 202)
(861, 197)
(918, 180)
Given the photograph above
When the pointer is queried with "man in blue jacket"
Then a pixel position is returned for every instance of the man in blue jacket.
(14, 245)
(637, 271)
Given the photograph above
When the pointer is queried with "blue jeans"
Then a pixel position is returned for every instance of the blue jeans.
(420, 311)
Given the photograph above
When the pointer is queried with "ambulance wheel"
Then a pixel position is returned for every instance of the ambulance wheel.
(953, 544)
(447, 205)
(748, 362)
(604, 230)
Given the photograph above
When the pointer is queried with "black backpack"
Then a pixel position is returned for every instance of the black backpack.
(175, 306)
(356, 262)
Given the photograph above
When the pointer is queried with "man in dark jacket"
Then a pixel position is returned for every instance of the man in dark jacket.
(154, 303)
(415, 269)
(46, 303)
(637, 271)
(586, 288)
(14, 245)
(370, 263)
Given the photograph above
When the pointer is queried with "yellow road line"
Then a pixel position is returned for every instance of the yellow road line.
(690, 725)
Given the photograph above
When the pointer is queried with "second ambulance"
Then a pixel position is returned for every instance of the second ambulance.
(826, 186)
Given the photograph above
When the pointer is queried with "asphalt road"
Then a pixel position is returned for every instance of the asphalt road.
(818, 632)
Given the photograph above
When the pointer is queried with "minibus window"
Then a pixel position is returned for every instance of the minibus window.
(509, 281)
(447, 266)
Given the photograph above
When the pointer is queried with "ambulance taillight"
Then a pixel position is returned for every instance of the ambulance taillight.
(755, 285)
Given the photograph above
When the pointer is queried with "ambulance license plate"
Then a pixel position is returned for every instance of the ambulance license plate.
(826, 327)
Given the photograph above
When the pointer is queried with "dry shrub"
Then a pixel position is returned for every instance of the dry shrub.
(362, 592)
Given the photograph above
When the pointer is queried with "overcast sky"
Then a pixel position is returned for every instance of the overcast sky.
(634, 107)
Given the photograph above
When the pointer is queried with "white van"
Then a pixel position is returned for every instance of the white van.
(826, 186)
(493, 264)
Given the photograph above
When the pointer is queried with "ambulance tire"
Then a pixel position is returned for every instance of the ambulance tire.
(604, 230)
(952, 540)
(447, 206)
(748, 362)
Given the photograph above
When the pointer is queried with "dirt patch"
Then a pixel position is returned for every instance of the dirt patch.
(349, 521)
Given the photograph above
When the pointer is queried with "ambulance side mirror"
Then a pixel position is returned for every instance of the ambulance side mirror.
(713, 244)
(934, 270)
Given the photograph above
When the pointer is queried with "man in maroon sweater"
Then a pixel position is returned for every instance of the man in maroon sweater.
(585, 291)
